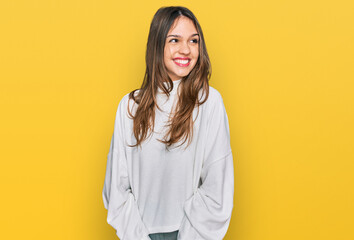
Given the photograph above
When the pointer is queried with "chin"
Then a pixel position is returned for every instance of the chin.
(183, 74)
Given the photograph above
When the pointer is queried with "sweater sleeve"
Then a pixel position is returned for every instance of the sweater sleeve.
(208, 212)
(118, 198)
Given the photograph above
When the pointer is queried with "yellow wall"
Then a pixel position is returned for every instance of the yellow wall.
(284, 69)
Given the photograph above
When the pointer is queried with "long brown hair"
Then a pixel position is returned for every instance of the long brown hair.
(181, 124)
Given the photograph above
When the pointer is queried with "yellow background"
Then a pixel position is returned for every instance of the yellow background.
(284, 69)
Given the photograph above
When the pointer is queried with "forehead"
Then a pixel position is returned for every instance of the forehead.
(182, 25)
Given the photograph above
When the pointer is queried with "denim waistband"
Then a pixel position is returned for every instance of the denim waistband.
(164, 236)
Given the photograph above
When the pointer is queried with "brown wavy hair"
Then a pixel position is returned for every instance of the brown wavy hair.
(180, 126)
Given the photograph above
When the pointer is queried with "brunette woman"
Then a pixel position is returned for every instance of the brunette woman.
(170, 167)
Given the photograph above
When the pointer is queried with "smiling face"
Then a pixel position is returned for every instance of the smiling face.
(181, 48)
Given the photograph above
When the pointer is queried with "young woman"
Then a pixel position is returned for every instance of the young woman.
(170, 167)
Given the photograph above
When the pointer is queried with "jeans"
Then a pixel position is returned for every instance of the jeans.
(164, 236)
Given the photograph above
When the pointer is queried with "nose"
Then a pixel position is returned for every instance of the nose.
(184, 48)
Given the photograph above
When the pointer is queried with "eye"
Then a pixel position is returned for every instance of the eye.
(195, 40)
(172, 40)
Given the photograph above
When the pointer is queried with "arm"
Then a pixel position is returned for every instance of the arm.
(123, 214)
(208, 211)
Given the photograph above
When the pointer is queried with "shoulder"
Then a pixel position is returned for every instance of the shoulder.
(124, 103)
(214, 94)
(125, 99)
(214, 98)
(214, 107)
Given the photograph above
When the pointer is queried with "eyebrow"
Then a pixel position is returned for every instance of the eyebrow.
(178, 36)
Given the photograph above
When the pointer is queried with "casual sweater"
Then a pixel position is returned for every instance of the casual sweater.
(151, 189)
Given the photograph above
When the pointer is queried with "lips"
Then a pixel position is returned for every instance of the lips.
(182, 62)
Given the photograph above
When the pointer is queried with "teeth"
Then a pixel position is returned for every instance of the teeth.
(181, 61)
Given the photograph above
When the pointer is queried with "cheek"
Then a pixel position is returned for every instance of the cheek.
(168, 51)
(167, 56)
(196, 52)
(165, 53)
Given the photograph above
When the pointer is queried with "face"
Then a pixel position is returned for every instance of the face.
(181, 48)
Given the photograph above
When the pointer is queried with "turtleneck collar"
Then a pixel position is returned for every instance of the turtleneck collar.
(175, 86)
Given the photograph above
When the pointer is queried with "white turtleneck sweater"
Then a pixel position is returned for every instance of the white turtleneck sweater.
(151, 189)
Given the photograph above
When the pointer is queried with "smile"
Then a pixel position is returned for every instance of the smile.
(182, 62)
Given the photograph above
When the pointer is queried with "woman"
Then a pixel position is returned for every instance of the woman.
(170, 167)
